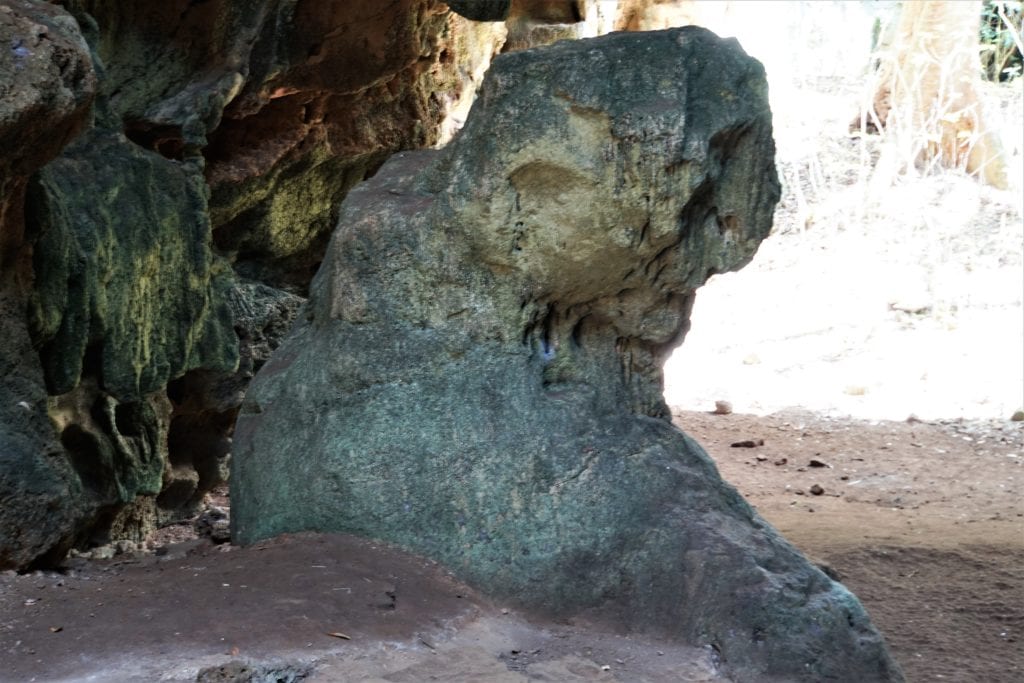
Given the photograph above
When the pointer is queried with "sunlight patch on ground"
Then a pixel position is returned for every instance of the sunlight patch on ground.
(842, 332)
(871, 303)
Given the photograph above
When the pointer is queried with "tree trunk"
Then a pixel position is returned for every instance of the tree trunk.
(926, 93)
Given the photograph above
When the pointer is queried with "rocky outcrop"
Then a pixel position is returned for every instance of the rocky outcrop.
(477, 374)
(346, 86)
(288, 104)
(46, 86)
(206, 402)
(222, 141)
(153, 256)
(128, 296)
(125, 278)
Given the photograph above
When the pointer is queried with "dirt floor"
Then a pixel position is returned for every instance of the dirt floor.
(923, 521)
(311, 607)
(866, 302)
(877, 300)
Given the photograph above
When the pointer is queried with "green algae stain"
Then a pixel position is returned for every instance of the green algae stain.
(125, 277)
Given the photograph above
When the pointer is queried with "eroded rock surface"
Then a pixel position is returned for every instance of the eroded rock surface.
(477, 375)
(46, 86)
(215, 142)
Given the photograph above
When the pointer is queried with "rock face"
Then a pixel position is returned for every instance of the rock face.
(333, 89)
(46, 86)
(131, 278)
(477, 374)
(172, 240)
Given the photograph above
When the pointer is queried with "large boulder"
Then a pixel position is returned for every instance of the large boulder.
(477, 374)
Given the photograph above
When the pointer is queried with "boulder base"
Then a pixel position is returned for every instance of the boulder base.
(477, 374)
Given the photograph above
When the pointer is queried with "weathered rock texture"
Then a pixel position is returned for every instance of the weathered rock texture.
(477, 375)
(201, 191)
(206, 402)
(149, 269)
(46, 86)
(327, 100)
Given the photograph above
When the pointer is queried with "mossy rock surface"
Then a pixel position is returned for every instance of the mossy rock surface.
(126, 281)
(477, 374)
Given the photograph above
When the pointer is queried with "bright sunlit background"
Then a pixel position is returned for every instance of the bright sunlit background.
(870, 300)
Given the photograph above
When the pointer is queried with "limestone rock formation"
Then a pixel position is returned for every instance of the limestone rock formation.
(477, 374)
(287, 104)
(209, 168)
(206, 402)
(46, 86)
(130, 277)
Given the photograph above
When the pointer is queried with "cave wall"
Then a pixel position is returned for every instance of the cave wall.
(175, 174)
(47, 84)
(172, 176)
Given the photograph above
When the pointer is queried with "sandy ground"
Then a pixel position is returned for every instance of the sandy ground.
(306, 607)
(923, 521)
(862, 308)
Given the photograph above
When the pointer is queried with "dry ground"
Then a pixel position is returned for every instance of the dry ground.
(875, 304)
(314, 607)
(923, 521)
(878, 298)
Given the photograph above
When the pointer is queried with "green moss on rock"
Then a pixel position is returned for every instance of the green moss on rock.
(289, 210)
(477, 373)
(125, 278)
